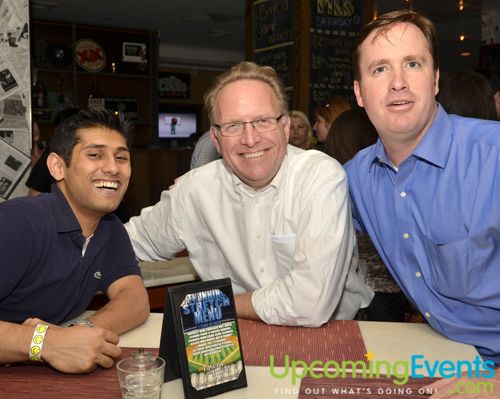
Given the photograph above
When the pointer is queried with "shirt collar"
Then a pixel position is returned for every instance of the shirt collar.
(65, 218)
(379, 156)
(434, 146)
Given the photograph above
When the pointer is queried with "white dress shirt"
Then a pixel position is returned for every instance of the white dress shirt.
(292, 244)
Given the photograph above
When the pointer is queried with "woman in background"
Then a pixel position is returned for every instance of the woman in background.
(325, 115)
(351, 132)
(300, 130)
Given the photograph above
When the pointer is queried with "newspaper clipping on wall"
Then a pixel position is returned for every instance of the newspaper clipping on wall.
(13, 164)
(15, 108)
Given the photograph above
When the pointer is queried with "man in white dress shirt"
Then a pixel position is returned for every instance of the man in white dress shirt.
(272, 217)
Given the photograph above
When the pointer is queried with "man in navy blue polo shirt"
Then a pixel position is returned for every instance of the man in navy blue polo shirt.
(57, 250)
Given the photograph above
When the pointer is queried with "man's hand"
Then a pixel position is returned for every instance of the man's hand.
(80, 349)
(467, 388)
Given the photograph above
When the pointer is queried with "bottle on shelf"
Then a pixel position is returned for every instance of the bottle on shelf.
(96, 100)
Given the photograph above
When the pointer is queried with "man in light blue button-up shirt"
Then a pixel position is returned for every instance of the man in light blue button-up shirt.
(428, 192)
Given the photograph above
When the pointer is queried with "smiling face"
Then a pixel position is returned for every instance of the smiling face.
(299, 135)
(398, 84)
(254, 157)
(98, 175)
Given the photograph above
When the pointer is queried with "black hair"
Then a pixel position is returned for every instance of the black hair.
(64, 114)
(66, 134)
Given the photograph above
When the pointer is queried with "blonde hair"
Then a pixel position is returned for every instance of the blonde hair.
(303, 117)
(245, 70)
(331, 110)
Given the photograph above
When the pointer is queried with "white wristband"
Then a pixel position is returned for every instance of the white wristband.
(36, 345)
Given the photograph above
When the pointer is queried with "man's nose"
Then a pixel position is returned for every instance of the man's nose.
(250, 136)
(110, 165)
(399, 81)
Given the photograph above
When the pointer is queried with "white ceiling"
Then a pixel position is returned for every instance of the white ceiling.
(212, 32)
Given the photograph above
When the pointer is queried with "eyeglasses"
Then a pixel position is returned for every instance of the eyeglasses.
(261, 125)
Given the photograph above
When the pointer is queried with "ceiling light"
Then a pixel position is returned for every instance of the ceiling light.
(462, 38)
(465, 54)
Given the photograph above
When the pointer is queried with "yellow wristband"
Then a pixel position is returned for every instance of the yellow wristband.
(35, 352)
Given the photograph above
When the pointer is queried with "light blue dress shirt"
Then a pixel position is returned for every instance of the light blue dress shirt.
(435, 221)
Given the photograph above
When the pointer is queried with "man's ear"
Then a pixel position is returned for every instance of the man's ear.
(215, 140)
(357, 92)
(286, 126)
(436, 83)
(57, 166)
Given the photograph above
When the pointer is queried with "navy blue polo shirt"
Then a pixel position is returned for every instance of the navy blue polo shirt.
(42, 271)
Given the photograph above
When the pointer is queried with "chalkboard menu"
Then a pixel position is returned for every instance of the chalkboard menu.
(334, 27)
(273, 37)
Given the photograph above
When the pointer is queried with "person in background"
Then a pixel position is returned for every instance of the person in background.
(428, 191)
(273, 218)
(204, 151)
(300, 130)
(467, 93)
(58, 250)
(39, 179)
(494, 80)
(38, 144)
(351, 132)
(325, 115)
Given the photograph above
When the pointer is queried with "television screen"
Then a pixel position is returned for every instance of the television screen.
(177, 125)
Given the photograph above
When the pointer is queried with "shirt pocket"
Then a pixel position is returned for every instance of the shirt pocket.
(284, 250)
(452, 269)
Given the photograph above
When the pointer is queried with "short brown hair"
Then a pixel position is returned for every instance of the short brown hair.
(386, 22)
(246, 70)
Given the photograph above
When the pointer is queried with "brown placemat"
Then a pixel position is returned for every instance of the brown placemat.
(21, 381)
(368, 388)
(337, 340)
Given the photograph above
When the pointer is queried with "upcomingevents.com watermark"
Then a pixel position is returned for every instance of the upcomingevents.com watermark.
(399, 371)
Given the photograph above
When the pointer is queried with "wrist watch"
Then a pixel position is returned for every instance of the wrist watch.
(84, 322)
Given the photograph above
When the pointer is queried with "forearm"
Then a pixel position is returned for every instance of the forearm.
(15, 342)
(126, 309)
(244, 307)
